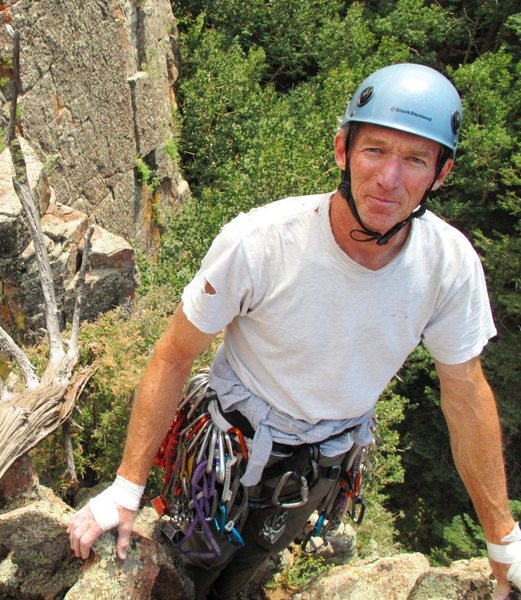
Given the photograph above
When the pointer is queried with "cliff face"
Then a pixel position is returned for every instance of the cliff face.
(97, 115)
(96, 97)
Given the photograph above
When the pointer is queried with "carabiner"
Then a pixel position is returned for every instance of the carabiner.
(280, 486)
(242, 442)
(190, 429)
(195, 384)
(211, 449)
(230, 460)
(220, 521)
(357, 518)
(220, 470)
(194, 439)
(204, 444)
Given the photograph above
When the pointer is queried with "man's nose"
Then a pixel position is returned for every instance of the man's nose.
(391, 172)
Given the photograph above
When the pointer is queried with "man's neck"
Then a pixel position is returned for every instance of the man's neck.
(368, 254)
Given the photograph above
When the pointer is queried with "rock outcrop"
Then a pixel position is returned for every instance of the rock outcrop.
(97, 97)
(111, 280)
(36, 563)
(403, 577)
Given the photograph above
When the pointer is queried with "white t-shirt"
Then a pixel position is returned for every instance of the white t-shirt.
(316, 334)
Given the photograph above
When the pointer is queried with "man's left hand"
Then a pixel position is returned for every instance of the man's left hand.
(508, 571)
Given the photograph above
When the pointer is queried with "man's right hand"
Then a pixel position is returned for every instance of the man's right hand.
(84, 530)
(115, 507)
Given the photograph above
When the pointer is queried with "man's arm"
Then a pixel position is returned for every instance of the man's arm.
(470, 410)
(157, 398)
(159, 393)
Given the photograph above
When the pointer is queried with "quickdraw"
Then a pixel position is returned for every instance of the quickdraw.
(201, 491)
(345, 498)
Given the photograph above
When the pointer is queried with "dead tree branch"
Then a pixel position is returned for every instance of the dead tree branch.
(80, 287)
(30, 415)
(7, 344)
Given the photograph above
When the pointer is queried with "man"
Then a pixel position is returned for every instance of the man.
(322, 298)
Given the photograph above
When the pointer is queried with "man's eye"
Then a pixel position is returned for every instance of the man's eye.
(417, 161)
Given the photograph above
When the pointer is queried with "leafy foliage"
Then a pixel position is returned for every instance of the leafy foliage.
(305, 568)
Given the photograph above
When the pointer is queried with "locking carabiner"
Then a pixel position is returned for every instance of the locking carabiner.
(282, 483)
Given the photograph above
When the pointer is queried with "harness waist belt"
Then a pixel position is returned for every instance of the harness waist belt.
(237, 419)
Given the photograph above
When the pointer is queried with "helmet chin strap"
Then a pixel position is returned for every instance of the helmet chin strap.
(364, 234)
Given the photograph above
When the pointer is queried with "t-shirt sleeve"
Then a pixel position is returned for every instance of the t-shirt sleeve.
(462, 323)
(225, 269)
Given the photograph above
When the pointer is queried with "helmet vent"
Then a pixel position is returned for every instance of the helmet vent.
(365, 96)
(455, 121)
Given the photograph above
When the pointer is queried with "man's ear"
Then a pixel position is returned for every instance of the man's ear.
(449, 163)
(340, 149)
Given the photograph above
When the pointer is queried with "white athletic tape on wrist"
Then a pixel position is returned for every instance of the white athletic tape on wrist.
(121, 493)
(125, 493)
(513, 536)
(104, 511)
(509, 552)
(514, 574)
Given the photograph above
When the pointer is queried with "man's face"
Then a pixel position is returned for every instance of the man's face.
(390, 172)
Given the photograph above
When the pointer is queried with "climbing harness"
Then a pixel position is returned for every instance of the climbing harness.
(201, 492)
(202, 495)
(345, 497)
(295, 473)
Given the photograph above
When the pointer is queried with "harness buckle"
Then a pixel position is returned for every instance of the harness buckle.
(333, 473)
(282, 483)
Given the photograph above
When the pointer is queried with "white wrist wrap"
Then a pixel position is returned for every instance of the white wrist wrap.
(104, 511)
(121, 493)
(127, 494)
(514, 574)
(509, 552)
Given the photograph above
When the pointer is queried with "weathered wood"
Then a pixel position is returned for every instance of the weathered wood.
(7, 344)
(51, 309)
(70, 469)
(80, 287)
(29, 416)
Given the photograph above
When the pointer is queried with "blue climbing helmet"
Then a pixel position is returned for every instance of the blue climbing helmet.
(411, 98)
